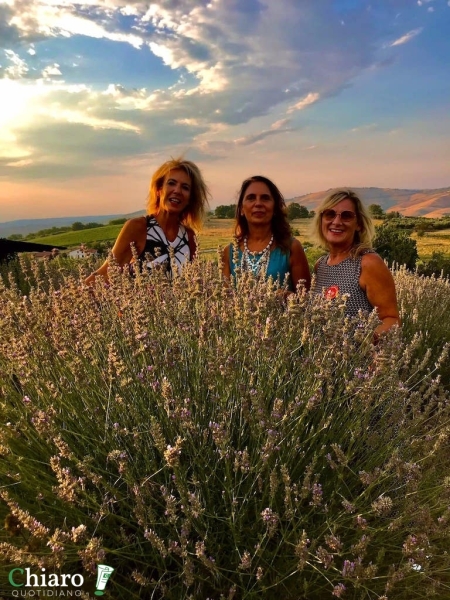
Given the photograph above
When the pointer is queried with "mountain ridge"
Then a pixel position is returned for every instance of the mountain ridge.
(430, 203)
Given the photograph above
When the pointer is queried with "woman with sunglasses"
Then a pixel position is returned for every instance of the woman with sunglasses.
(265, 245)
(343, 225)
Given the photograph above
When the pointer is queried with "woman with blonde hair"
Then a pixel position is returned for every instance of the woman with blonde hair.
(343, 226)
(177, 202)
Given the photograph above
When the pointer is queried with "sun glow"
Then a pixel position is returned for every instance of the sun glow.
(15, 100)
(14, 97)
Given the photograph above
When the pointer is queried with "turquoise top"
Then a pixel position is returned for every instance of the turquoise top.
(277, 268)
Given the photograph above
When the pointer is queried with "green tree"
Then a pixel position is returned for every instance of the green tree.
(77, 226)
(225, 211)
(297, 211)
(92, 225)
(395, 246)
(420, 228)
(102, 247)
(438, 264)
(15, 237)
(393, 215)
(376, 211)
(120, 221)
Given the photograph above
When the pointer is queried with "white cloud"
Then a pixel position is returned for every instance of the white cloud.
(52, 19)
(236, 64)
(275, 129)
(165, 53)
(74, 116)
(368, 127)
(18, 67)
(407, 37)
(51, 71)
(304, 102)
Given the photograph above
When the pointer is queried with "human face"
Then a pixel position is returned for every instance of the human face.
(258, 204)
(175, 193)
(337, 233)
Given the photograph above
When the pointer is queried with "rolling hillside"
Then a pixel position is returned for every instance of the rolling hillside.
(25, 226)
(86, 236)
(411, 203)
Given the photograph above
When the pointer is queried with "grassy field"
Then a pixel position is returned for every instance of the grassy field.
(438, 241)
(219, 232)
(86, 236)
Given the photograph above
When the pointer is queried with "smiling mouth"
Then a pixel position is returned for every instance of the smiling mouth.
(336, 230)
(174, 201)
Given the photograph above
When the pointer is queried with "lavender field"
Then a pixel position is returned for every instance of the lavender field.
(207, 441)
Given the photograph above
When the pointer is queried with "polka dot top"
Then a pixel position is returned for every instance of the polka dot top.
(334, 280)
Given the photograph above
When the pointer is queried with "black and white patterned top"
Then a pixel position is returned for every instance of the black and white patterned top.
(156, 250)
(334, 280)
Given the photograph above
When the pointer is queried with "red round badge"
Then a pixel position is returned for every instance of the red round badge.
(332, 292)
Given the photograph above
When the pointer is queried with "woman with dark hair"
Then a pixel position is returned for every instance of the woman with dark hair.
(265, 245)
(343, 226)
(177, 201)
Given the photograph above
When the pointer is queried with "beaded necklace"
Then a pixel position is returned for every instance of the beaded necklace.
(255, 261)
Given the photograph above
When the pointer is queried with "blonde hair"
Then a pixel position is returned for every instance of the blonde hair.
(194, 213)
(363, 238)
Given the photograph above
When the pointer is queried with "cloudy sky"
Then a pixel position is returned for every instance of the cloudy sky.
(315, 94)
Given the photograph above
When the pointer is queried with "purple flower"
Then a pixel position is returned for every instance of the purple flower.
(338, 590)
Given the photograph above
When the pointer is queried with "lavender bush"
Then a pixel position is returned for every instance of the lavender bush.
(208, 442)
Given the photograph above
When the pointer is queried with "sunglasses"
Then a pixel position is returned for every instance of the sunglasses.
(346, 215)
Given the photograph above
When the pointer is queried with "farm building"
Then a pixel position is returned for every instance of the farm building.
(81, 252)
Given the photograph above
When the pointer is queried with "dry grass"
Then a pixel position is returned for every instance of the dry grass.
(216, 233)
(219, 232)
(436, 241)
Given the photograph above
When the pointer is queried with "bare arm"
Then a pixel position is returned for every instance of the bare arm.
(298, 265)
(377, 282)
(133, 232)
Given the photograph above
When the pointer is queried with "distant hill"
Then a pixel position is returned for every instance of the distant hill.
(411, 203)
(25, 226)
(108, 233)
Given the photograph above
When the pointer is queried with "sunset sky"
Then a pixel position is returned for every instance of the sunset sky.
(311, 93)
